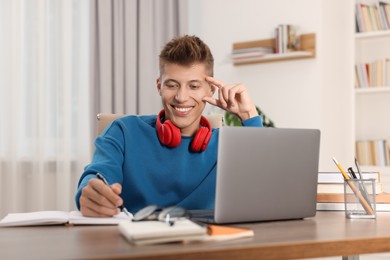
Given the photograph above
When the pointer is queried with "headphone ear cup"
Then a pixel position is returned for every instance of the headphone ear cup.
(173, 136)
(201, 139)
(167, 132)
(164, 134)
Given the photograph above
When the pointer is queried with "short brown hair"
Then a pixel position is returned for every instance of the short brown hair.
(186, 50)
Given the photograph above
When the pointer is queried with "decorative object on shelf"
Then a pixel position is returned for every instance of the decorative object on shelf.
(305, 50)
(233, 120)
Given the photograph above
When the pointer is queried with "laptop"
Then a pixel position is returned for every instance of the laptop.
(264, 174)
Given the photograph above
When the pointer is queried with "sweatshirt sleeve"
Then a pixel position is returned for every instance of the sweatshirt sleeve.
(108, 159)
(253, 121)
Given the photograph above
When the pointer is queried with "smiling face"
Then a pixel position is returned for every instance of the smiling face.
(182, 89)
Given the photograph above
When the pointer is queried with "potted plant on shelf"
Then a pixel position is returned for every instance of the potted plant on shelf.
(233, 120)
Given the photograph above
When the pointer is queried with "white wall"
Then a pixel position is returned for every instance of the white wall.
(312, 93)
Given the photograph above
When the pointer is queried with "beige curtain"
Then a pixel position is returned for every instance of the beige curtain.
(126, 38)
(44, 102)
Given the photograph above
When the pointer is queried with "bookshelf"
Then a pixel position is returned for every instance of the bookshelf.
(372, 101)
(307, 50)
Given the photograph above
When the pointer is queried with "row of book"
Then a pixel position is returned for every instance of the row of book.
(330, 191)
(373, 74)
(373, 152)
(372, 17)
(286, 38)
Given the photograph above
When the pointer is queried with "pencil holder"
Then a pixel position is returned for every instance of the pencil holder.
(359, 198)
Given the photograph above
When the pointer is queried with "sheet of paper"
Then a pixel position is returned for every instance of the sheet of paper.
(76, 218)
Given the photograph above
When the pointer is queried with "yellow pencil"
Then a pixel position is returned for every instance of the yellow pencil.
(364, 203)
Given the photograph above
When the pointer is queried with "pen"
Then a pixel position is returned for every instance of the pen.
(360, 174)
(362, 189)
(358, 168)
(352, 173)
(362, 200)
(101, 177)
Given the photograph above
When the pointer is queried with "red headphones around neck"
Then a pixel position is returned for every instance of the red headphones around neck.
(170, 135)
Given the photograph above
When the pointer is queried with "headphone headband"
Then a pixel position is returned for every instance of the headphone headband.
(170, 135)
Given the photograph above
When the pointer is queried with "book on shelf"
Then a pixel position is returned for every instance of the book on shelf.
(286, 38)
(384, 14)
(57, 218)
(249, 54)
(373, 152)
(372, 17)
(373, 74)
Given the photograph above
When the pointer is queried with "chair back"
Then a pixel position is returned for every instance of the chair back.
(104, 119)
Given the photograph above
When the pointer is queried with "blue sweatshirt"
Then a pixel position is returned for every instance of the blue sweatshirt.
(129, 152)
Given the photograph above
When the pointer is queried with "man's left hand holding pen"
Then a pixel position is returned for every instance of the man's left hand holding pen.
(99, 199)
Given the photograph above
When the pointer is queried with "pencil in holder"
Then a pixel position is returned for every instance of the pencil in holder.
(360, 198)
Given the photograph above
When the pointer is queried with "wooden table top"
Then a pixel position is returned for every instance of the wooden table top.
(327, 234)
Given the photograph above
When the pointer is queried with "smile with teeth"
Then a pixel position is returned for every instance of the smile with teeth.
(183, 109)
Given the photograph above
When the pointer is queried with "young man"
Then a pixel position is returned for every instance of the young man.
(170, 158)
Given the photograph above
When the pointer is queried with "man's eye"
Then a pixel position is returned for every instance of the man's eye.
(171, 85)
(194, 86)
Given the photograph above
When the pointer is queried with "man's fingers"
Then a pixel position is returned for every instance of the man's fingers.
(89, 208)
(103, 194)
(116, 188)
(233, 91)
(210, 100)
(100, 200)
(215, 82)
(222, 98)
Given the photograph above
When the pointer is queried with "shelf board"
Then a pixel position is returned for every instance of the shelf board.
(276, 57)
(307, 50)
(372, 90)
(375, 34)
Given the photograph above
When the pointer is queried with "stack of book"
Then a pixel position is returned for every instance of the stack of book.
(330, 191)
(373, 152)
(250, 54)
(183, 231)
(373, 17)
(374, 74)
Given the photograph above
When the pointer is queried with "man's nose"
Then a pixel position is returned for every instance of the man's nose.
(182, 94)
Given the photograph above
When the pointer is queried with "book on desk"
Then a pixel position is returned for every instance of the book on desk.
(183, 230)
(330, 192)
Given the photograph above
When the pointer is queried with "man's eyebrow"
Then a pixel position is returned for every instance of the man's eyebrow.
(171, 80)
(196, 81)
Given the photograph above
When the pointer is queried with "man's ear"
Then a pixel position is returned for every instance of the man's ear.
(158, 82)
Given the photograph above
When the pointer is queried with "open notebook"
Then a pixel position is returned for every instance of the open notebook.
(57, 218)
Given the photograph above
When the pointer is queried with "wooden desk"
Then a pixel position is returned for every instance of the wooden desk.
(328, 234)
